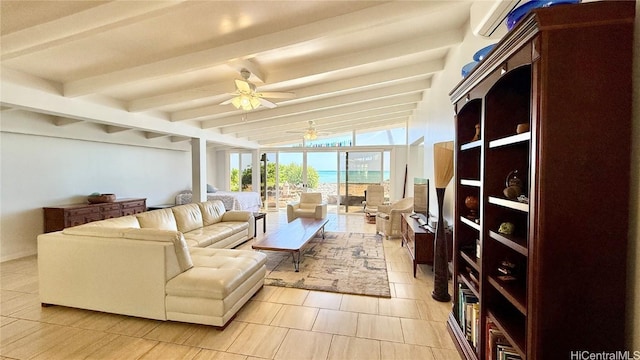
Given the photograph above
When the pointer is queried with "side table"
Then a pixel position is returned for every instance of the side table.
(257, 216)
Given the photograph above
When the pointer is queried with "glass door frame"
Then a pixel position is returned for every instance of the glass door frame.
(337, 151)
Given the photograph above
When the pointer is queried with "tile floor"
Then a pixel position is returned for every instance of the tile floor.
(277, 323)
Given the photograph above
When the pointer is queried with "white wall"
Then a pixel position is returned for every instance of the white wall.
(435, 118)
(38, 171)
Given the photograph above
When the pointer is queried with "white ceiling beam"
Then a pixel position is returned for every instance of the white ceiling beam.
(365, 97)
(314, 106)
(223, 54)
(63, 121)
(413, 46)
(257, 73)
(153, 135)
(362, 122)
(338, 111)
(175, 139)
(279, 125)
(77, 26)
(415, 71)
(283, 137)
(110, 129)
(183, 96)
(46, 100)
(203, 113)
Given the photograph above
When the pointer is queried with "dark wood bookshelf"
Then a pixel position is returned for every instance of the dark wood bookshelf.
(559, 73)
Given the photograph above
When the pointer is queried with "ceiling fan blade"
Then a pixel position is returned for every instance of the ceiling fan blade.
(266, 103)
(227, 102)
(243, 86)
(277, 95)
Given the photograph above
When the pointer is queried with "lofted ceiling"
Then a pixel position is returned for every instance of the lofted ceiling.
(165, 67)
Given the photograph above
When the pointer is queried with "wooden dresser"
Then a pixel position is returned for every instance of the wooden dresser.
(58, 218)
(418, 240)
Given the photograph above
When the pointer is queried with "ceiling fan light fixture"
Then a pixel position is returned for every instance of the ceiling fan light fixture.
(245, 102)
(310, 134)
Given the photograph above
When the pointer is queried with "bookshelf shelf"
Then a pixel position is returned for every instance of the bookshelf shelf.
(470, 223)
(510, 140)
(468, 182)
(510, 330)
(515, 205)
(470, 260)
(470, 285)
(514, 292)
(522, 290)
(471, 145)
(517, 244)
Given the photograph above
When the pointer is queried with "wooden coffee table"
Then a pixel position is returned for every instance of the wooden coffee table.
(292, 237)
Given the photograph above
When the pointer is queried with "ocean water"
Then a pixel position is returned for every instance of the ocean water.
(366, 177)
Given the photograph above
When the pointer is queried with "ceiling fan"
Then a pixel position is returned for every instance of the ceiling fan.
(247, 98)
(311, 133)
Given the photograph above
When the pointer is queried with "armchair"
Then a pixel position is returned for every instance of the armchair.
(374, 197)
(309, 206)
(389, 218)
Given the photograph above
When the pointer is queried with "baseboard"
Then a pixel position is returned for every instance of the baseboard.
(17, 256)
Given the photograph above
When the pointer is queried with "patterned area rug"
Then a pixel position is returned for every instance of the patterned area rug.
(350, 263)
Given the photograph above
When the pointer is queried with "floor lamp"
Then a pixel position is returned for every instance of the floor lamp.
(443, 172)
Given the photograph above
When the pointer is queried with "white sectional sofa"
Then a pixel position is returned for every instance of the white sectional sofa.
(168, 264)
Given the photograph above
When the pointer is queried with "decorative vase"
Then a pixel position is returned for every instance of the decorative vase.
(440, 259)
(471, 202)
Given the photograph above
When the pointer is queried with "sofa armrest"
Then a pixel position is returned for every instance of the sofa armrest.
(384, 209)
(114, 275)
(291, 208)
(321, 211)
(237, 215)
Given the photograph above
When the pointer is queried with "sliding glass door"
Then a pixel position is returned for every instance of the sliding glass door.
(358, 169)
(341, 176)
(322, 176)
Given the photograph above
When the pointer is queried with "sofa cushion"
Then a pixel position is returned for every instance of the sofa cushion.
(129, 221)
(179, 243)
(188, 217)
(212, 211)
(99, 231)
(305, 206)
(206, 236)
(303, 212)
(216, 272)
(162, 219)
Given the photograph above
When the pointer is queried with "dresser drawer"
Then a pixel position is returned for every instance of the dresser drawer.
(83, 211)
(133, 210)
(111, 214)
(133, 204)
(109, 207)
(82, 219)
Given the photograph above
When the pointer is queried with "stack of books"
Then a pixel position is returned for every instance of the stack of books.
(469, 314)
(498, 347)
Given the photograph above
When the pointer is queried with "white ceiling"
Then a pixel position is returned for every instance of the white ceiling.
(351, 64)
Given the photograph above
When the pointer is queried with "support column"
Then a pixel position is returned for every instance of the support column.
(199, 169)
